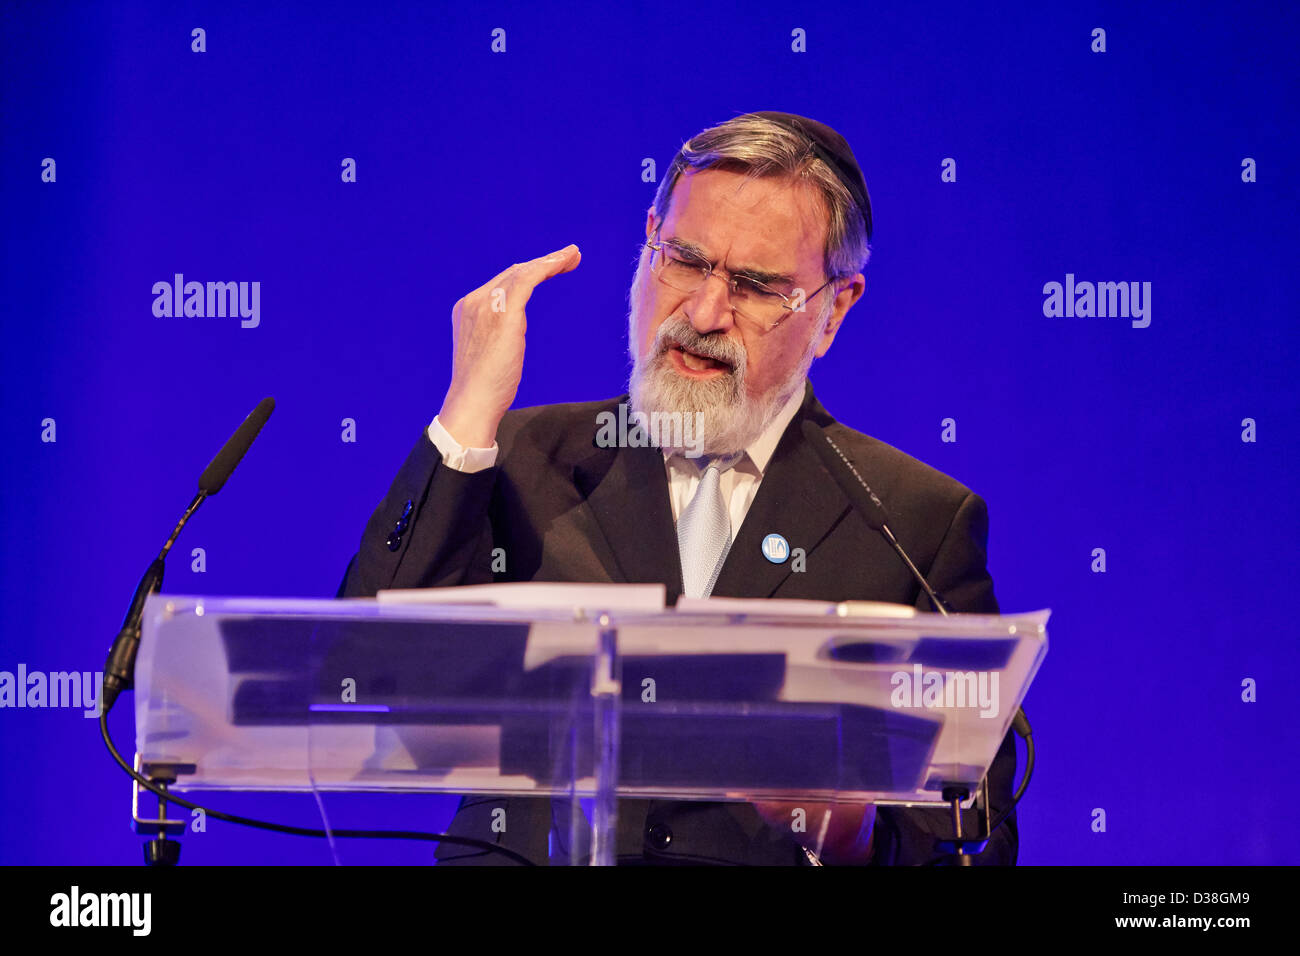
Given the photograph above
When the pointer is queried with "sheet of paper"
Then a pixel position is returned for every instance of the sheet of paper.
(726, 605)
(538, 594)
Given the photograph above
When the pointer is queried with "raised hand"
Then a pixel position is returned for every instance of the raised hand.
(488, 327)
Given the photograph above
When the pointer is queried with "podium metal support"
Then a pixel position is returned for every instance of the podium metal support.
(606, 692)
(160, 851)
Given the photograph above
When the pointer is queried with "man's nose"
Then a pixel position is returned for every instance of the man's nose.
(709, 308)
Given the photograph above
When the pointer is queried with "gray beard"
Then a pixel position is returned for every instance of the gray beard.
(730, 420)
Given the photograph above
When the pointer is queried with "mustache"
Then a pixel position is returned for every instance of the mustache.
(680, 333)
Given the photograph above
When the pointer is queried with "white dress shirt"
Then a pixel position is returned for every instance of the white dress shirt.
(739, 484)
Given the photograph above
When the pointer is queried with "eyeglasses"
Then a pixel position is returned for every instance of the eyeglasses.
(753, 302)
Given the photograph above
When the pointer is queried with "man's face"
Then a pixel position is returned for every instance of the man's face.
(738, 375)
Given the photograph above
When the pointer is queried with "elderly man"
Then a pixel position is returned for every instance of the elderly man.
(754, 252)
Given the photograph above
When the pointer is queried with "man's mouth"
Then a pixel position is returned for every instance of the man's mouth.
(695, 364)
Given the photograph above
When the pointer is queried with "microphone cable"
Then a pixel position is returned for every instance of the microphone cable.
(165, 794)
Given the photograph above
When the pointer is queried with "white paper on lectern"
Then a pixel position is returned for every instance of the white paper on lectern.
(793, 606)
(537, 594)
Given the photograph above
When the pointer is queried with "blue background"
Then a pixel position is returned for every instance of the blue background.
(1079, 432)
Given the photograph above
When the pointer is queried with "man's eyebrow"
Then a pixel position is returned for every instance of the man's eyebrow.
(766, 276)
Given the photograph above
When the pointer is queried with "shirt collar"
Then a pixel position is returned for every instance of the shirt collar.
(760, 451)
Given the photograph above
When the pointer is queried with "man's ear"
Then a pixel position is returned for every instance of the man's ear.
(844, 300)
(649, 223)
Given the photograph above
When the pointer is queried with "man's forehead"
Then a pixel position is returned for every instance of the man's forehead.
(773, 223)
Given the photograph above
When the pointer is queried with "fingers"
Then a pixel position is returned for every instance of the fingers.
(488, 330)
(522, 278)
(561, 260)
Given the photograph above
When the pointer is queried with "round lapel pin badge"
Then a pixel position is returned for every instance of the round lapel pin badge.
(775, 548)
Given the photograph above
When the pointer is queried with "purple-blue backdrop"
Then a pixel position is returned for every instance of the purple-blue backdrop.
(1081, 433)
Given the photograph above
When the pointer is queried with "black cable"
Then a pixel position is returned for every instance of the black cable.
(1021, 725)
(165, 794)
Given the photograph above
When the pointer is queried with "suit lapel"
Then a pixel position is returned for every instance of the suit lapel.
(793, 500)
(626, 491)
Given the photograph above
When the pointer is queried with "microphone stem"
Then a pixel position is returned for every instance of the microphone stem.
(929, 591)
(198, 500)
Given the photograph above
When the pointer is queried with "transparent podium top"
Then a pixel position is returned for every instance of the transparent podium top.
(718, 699)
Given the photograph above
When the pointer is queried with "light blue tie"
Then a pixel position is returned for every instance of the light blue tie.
(704, 529)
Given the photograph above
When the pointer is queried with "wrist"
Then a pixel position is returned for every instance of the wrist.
(468, 427)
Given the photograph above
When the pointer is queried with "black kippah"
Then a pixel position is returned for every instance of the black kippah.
(832, 149)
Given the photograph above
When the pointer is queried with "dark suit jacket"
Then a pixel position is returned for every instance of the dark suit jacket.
(566, 510)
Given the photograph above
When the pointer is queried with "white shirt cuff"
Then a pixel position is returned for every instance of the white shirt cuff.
(456, 456)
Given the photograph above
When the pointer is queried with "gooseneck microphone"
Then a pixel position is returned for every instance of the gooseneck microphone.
(232, 452)
(119, 668)
(872, 510)
(864, 499)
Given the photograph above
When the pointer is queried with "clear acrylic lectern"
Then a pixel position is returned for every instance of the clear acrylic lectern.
(716, 700)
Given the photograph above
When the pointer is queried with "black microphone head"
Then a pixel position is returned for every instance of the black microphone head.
(846, 476)
(219, 469)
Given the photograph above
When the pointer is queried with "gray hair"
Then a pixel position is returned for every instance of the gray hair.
(760, 148)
